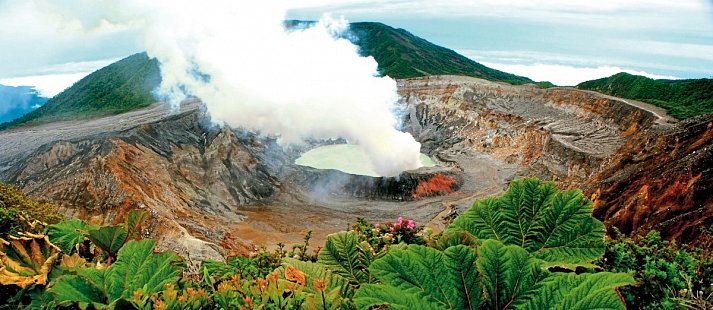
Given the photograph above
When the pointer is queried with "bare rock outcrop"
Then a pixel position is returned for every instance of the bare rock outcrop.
(187, 173)
(642, 171)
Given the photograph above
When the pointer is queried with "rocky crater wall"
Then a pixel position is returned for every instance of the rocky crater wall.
(562, 132)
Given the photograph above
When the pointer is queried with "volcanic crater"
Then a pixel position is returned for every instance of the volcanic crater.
(212, 190)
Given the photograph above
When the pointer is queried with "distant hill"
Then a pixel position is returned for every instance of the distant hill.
(16, 101)
(127, 84)
(401, 54)
(122, 86)
(682, 98)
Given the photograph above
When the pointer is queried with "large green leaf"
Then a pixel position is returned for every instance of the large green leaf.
(134, 223)
(509, 274)
(137, 268)
(371, 295)
(108, 238)
(68, 234)
(85, 288)
(554, 226)
(344, 255)
(424, 276)
(506, 275)
(39, 298)
(569, 291)
(464, 273)
(26, 260)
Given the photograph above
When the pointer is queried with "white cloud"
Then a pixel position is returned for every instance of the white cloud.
(302, 84)
(660, 11)
(47, 85)
(34, 41)
(53, 79)
(76, 67)
(567, 75)
(520, 59)
(676, 49)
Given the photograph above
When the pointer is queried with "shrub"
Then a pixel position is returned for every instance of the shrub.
(381, 235)
(513, 244)
(514, 251)
(19, 213)
(668, 274)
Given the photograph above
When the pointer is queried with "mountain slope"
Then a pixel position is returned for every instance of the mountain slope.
(127, 84)
(682, 98)
(401, 54)
(122, 86)
(16, 101)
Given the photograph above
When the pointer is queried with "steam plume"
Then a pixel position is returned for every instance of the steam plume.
(252, 73)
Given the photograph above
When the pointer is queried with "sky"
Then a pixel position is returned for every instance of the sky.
(562, 41)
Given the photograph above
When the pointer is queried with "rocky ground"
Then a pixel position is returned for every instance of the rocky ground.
(212, 190)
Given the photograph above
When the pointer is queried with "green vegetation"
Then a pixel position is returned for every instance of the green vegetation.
(669, 276)
(120, 87)
(553, 226)
(401, 55)
(534, 247)
(517, 251)
(18, 213)
(681, 98)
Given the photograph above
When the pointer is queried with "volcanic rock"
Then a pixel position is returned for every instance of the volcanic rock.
(211, 188)
(642, 170)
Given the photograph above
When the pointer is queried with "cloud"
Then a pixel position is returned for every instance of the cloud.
(33, 40)
(674, 49)
(251, 73)
(47, 85)
(544, 10)
(53, 79)
(567, 75)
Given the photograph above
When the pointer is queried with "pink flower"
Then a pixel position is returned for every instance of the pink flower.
(410, 224)
(377, 225)
(399, 221)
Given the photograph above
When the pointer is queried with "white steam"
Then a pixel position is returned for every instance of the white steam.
(252, 73)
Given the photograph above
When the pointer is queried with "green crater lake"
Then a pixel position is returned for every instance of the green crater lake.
(349, 158)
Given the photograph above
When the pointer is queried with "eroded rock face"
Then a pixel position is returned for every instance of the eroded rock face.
(182, 170)
(642, 171)
(661, 180)
(209, 189)
(562, 132)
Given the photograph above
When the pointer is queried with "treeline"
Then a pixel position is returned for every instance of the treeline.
(681, 98)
